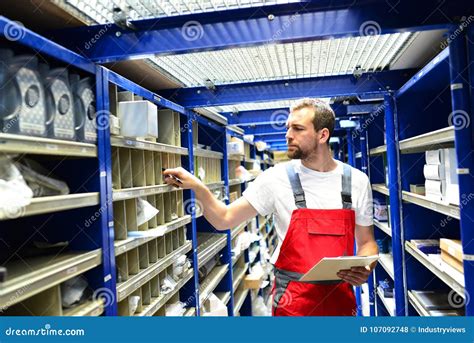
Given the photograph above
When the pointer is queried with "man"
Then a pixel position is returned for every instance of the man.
(321, 206)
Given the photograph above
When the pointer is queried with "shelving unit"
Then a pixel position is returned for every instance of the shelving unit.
(96, 231)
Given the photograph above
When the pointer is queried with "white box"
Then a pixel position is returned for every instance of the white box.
(452, 182)
(214, 307)
(435, 187)
(434, 171)
(138, 119)
(434, 156)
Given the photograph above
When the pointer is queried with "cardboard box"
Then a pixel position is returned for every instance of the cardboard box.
(417, 189)
(453, 262)
(253, 280)
(453, 247)
(233, 196)
(214, 307)
(235, 148)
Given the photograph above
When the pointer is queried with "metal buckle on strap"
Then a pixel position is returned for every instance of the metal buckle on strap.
(346, 198)
(299, 198)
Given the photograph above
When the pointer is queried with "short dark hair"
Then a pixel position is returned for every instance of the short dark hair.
(324, 116)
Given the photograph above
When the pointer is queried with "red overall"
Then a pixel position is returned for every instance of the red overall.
(312, 235)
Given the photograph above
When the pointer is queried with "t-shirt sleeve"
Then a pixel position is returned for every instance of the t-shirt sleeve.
(259, 193)
(364, 206)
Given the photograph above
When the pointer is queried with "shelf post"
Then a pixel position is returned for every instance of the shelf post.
(105, 172)
(350, 149)
(191, 204)
(393, 161)
(461, 117)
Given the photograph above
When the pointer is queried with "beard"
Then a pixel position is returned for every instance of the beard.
(296, 154)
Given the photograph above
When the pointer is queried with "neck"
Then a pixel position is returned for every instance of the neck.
(320, 160)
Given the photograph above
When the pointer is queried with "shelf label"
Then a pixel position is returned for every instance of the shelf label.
(107, 277)
(103, 174)
(71, 270)
(455, 86)
(52, 147)
(462, 171)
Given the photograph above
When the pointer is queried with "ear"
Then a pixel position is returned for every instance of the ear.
(324, 135)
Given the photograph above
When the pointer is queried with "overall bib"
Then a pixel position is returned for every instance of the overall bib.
(312, 235)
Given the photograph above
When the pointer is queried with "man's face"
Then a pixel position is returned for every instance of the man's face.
(301, 137)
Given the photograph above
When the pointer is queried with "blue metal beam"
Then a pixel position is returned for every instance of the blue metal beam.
(252, 26)
(318, 87)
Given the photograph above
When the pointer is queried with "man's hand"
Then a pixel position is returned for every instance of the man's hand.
(356, 276)
(181, 178)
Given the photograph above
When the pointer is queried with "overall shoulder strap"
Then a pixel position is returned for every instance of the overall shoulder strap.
(296, 187)
(346, 192)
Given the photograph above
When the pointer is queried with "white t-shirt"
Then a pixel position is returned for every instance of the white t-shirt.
(271, 193)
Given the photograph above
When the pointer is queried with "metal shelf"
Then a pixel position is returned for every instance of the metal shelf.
(239, 276)
(209, 245)
(19, 144)
(51, 204)
(158, 303)
(386, 261)
(250, 160)
(378, 150)
(381, 188)
(444, 274)
(211, 282)
(215, 185)
(130, 243)
(136, 192)
(438, 139)
(208, 153)
(27, 277)
(234, 232)
(239, 298)
(190, 312)
(236, 257)
(417, 306)
(145, 275)
(421, 200)
(92, 308)
(383, 226)
(389, 303)
(123, 142)
(234, 182)
(223, 296)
